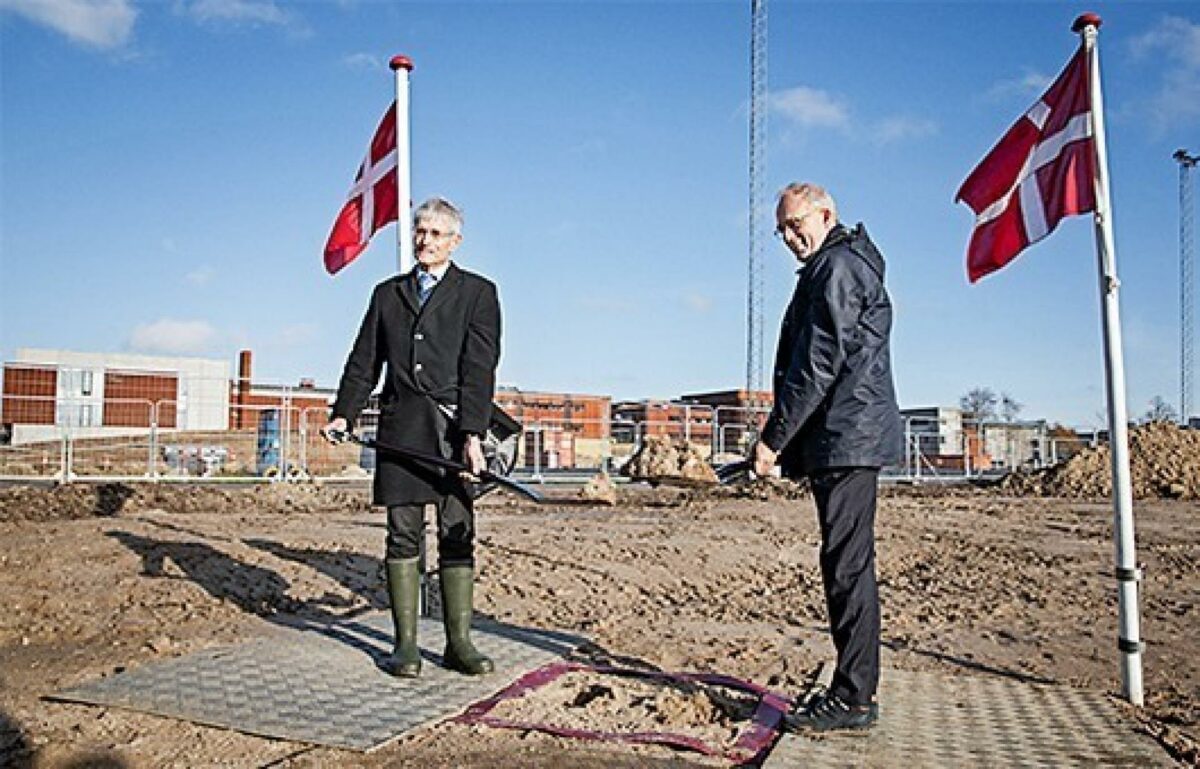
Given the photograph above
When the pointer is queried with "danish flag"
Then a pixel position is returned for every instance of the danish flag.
(371, 204)
(1042, 170)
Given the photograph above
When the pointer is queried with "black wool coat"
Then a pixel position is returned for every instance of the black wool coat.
(445, 352)
(835, 401)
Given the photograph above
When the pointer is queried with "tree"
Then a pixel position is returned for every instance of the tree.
(1010, 407)
(1160, 411)
(979, 403)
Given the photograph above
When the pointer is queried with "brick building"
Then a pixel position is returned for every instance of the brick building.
(97, 394)
(677, 420)
(561, 429)
(308, 405)
(587, 416)
(732, 412)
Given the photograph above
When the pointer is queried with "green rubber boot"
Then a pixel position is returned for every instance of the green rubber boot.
(458, 587)
(404, 585)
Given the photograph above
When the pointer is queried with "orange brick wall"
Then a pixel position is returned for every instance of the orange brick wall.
(127, 395)
(662, 418)
(29, 393)
(244, 410)
(587, 415)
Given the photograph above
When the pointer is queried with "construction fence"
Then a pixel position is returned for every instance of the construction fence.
(64, 439)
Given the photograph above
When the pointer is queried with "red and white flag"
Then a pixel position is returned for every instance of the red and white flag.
(1043, 169)
(371, 204)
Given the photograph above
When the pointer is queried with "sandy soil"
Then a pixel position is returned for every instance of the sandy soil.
(97, 580)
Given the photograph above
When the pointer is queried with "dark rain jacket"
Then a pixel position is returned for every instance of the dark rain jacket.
(445, 352)
(835, 402)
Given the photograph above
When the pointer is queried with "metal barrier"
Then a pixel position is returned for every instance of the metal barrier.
(736, 428)
(64, 439)
(937, 449)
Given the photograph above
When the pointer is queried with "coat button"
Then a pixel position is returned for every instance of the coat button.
(419, 336)
(418, 367)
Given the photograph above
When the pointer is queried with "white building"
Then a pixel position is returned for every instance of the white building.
(98, 394)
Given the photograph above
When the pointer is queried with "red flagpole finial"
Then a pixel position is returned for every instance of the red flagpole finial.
(403, 62)
(1085, 20)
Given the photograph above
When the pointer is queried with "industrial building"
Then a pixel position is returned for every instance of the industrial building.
(101, 394)
(191, 403)
(561, 429)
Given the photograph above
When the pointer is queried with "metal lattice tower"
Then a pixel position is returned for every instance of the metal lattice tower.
(1187, 283)
(758, 146)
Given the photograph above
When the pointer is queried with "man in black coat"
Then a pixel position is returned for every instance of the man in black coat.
(835, 420)
(438, 330)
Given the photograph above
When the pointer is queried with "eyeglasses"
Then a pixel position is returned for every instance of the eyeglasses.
(431, 234)
(792, 225)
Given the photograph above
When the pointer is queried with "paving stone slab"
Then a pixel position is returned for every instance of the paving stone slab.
(930, 719)
(323, 683)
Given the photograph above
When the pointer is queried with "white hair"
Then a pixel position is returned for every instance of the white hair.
(443, 208)
(812, 194)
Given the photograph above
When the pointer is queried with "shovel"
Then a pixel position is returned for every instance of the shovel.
(443, 466)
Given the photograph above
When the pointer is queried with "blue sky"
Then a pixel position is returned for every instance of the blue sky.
(169, 172)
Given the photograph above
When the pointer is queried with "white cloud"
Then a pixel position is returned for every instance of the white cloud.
(697, 302)
(810, 107)
(244, 12)
(1176, 38)
(200, 276)
(1031, 84)
(901, 127)
(102, 24)
(802, 108)
(173, 337)
(365, 62)
(1176, 43)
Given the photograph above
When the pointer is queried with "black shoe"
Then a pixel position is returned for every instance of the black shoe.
(828, 712)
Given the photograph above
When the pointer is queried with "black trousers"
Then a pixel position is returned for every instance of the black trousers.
(845, 500)
(456, 530)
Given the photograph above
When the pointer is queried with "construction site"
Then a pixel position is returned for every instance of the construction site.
(1002, 586)
(195, 570)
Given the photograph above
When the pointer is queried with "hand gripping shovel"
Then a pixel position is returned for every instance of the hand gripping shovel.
(443, 465)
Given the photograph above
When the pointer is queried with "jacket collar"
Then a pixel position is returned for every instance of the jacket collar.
(448, 284)
(857, 240)
(836, 236)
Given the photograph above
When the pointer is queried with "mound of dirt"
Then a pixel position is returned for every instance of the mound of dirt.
(764, 489)
(1164, 462)
(658, 458)
(599, 488)
(608, 703)
(86, 500)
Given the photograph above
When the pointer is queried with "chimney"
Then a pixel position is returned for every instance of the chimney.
(243, 390)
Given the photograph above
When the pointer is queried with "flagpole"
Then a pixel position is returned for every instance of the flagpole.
(1127, 572)
(402, 66)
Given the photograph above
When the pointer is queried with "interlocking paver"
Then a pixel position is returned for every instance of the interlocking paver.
(323, 684)
(930, 719)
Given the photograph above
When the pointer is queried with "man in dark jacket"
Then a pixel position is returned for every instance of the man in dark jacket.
(438, 330)
(835, 420)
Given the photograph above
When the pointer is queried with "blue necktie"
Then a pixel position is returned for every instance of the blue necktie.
(425, 284)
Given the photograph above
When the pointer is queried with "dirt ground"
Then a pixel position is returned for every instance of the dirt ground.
(95, 580)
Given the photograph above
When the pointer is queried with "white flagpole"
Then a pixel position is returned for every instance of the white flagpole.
(402, 66)
(1127, 572)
